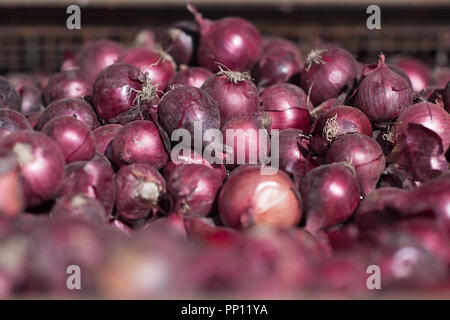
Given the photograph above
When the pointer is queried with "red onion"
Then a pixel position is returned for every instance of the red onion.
(181, 107)
(383, 94)
(70, 107)
(122, 94)
(447, 97)
(288, 107)
(327, 73)
(67, 84)
(343, 237)
(103, 137)
(145, 38)
(364, 154)
(427, 114)
(31, 96)
(233, 42)
(41, 164)
(181, 42)
(139, 142)
(11, 120)
(330, 195)
(325, 106)
(69, 60)
(440, 76)
(12, 201)
(418, 72)
(249, 198)
(193, 188)
(235, 93)
(72, 136)
(193, 76)
(159, 68)
(280, 59)
(79, 205)
(93, 178)
(97, 56)
(9, 97)
(140, 188)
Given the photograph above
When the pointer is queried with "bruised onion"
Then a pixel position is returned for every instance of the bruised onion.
(67, 84)
(250, 198)
(12, 201)
(139, 142)
(104, 136)
(11, 120)
(193, 76)
(9, 97)
(330, 195)
(181, 42)
(72, 136)
(31, 96)
(79, 205)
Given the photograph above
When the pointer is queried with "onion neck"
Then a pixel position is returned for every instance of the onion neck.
(197, 16)
(315, 56)
(149, 192)
(330, 129)
(234, 76)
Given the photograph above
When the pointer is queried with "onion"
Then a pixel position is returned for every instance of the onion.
(325, 106)
(11, 120)
(330, 195)
(249, 198)
(12, 201)
(70, 107)
(97, 56)
(447, 97)
(140, 188)
(181, 42)
(288, 107)
(94, 178)
(233, 42)
(193, 76)
(343, 237)
(72, 136)
(67, 84)
(31, 96)
(139, 142)
(328, 72)
(280, 59)
(383, 94)
(418, 72)
(235, 93)
(41, 164)
(123, 94)
(79, 205)
(193, 188)
(364, 154)
(9, 97)
(440, 76)
(159, 68)
(69, 60)
(103, 137)
(145, 38)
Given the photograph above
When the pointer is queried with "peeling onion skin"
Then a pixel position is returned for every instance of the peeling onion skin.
(330, 195)
(11, 120)
(193, 76)
(364, 154)
(67, 84)
(9, 97)
(249, 198)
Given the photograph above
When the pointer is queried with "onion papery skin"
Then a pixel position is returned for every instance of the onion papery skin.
(70, 107)
(31, 96)
(418, 72)
(9, 97)
(80, 206)
(67, 84)
(193, 188)
(193, 76)
(12, 201)
(235, 93)
(330, 195)
(181, 42)
(41, 164)
(249, 198)
(329, 78)
(288, 107)
(139, 189)
(364, 154)
(11, 120)
(104, 136)
(73, 138)
(139, 142)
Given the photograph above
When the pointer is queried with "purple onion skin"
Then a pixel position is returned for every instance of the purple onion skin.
(447, 97)
(31, 96)
(70, 107)
(79, 205)
(364, 153)
(193, 76)
(235, 93)
(9, 97)
(193, 188)
(418, 72)
(328, 79)
(139, 142)
(103, 137)
(182, 106)
(73, 138)
(11, 120)
(181, 42)
(67, 84)
(41, 164)
(330, 195)
(139, 189)
(12, 201)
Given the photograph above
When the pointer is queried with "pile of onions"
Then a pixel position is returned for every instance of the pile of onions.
(288, 107)
(330, 195)
(41, 164)
(72, 136)
(11, 120)
(383, 94)
(122, 94)
(31, 96)
(418, 72)
(139, 142)
(12, 201)
(79, 205)
(193, 76)
(364, 154)
(159, 68)
(103, 137)
(9, 97)
(327, 73)
(140, 188)
(181, 42)
(232, 42)
(193, 189)
(67, 84)
(235, 93)
(69, 107)
(250, 198)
